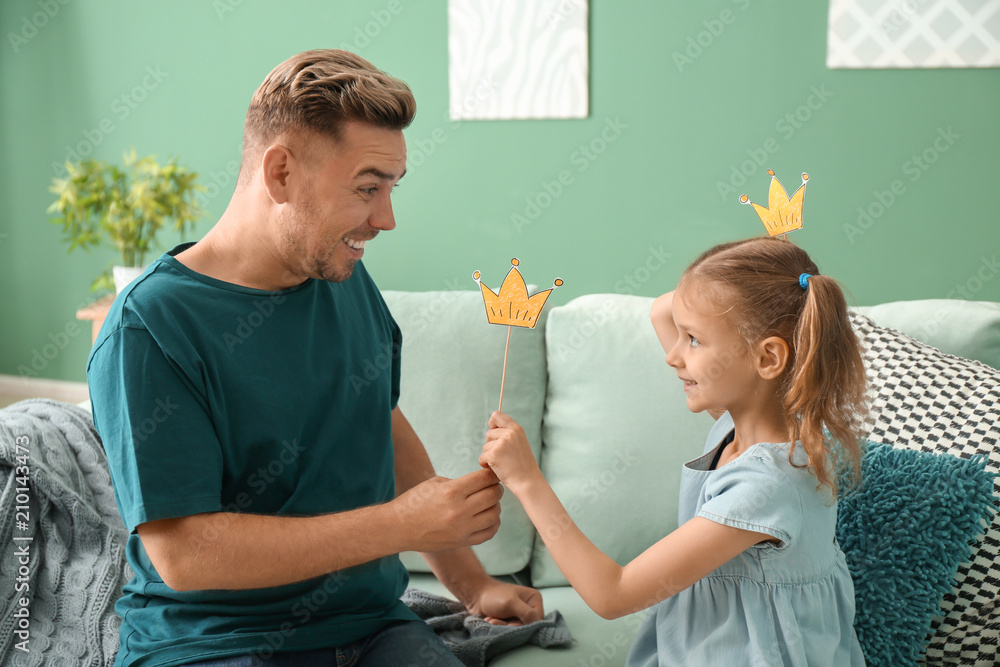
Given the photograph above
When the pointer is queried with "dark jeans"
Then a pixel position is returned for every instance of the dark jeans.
(402, 644)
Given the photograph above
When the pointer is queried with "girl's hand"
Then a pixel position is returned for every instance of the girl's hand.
(508, 453)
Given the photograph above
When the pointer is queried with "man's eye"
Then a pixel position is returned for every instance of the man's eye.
(369, 191)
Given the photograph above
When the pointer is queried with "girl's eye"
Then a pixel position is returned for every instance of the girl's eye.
(694, 341)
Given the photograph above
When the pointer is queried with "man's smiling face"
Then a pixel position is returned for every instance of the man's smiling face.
(344, 201)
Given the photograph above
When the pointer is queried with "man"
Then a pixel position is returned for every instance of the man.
(266, 497)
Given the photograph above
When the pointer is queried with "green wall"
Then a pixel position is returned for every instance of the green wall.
(634, 212)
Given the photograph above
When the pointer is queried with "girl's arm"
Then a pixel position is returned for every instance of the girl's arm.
(662, 316)
(666, 568)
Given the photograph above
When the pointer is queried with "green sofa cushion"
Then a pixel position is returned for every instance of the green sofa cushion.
(452, 360)
(969, 329)
(616, 429)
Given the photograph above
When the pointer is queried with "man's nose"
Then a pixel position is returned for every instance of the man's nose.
(382, 217)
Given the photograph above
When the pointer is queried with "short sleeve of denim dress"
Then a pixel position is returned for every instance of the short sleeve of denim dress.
(778, 603)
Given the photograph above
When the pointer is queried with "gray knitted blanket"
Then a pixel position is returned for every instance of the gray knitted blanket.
(474, 641)
(63, 565)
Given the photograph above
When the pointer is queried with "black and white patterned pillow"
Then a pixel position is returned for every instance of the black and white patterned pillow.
(921, 398)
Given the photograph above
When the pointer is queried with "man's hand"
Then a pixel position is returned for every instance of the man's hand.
(443, 513)
(507, 604)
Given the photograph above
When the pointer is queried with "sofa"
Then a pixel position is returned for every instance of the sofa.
(608, 422)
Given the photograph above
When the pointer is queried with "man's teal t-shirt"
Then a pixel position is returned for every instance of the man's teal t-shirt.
(214, 397)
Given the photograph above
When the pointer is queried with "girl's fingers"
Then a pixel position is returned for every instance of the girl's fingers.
(499, 419)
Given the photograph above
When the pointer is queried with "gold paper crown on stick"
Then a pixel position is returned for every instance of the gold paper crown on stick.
(783, 213)
(512, 306)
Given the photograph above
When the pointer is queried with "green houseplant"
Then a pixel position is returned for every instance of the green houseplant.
(124, 207)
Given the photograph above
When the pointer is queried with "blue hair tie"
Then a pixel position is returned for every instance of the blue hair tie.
(804, 280)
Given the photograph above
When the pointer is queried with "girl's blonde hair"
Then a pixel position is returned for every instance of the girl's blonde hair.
(823, 385)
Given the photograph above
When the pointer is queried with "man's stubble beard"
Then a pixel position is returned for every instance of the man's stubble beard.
(324, 268)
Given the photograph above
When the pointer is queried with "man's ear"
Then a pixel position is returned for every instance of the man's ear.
(772, 357)
(275, 165)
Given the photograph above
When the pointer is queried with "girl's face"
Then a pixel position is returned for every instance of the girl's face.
(709, 356)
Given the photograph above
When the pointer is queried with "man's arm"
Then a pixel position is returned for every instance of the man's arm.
(238, 551)
(458, 568)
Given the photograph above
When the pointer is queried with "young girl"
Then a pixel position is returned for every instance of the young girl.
(753, 575)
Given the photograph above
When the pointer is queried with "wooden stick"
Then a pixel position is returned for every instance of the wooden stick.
(504, 378)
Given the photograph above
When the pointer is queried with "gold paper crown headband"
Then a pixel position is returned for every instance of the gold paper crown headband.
(512, 306)
(783, 213)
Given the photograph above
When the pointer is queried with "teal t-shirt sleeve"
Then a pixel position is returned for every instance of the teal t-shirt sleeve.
(751, 493)
(166, 461)
(397, 343)
(397, 347)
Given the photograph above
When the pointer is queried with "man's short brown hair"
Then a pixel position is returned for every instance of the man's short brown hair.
(318, 91)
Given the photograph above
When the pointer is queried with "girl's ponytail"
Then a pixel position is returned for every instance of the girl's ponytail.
(826, 384)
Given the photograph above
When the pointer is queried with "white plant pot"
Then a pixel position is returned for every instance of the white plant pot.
(124, 275)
